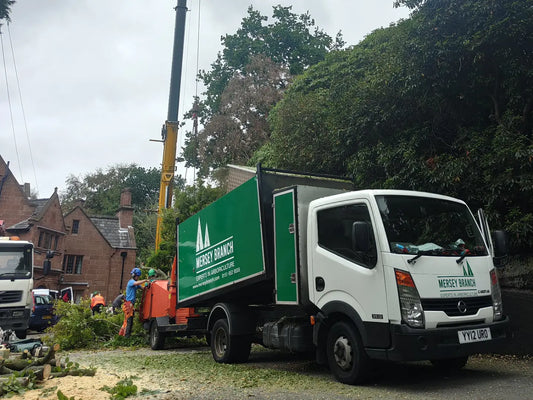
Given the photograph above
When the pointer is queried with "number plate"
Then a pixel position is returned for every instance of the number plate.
(47, 317)
(474, 335)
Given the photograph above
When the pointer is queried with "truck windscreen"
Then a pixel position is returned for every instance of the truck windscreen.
(15, 263)
(422, 225)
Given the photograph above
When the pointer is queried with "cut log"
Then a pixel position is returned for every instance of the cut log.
(41, 372)
(48, 356)
(5, 371)
(17, 364)
(74, 372)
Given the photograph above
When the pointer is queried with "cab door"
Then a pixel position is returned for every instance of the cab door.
(346, 267)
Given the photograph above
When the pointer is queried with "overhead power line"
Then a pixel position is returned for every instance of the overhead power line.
(10, 107)
(22, 108)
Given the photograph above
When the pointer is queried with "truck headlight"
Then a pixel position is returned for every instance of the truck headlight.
(410, 304)
(497, 305)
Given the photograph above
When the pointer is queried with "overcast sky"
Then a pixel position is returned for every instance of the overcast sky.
(94, 75)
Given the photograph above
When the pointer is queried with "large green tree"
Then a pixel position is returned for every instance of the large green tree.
(246, 79)
(439, 102)
(240, 127)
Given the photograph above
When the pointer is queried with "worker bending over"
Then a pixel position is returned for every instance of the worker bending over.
(97, 302)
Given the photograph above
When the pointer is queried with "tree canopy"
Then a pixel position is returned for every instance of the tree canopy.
(247, 79)
(439, 102)
(5, 9)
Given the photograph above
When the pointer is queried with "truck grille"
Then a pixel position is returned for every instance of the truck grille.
(10, 296)
(459, 306)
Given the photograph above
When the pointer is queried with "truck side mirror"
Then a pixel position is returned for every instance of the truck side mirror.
(501, 248)
(361, 236)
(47, 266)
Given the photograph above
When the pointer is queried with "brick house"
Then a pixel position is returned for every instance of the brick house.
(100, 251)
(39, 221)
(90, 253)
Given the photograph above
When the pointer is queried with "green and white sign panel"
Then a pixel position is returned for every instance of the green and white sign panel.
(222, 244)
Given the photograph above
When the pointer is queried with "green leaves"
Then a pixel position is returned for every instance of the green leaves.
(440, 102)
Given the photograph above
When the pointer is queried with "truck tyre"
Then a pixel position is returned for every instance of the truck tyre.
(347, 358)
(21, 333)
(450, 364)
(227, 348)
(157, 339)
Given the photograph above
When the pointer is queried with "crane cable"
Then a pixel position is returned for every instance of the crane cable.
(195, 105)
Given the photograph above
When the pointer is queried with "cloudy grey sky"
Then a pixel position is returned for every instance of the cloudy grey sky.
(94, 75)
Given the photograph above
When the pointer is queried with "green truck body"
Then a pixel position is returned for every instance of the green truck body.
(227, 250)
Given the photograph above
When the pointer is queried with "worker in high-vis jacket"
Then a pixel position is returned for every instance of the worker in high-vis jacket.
(129, 301)
(97, 302)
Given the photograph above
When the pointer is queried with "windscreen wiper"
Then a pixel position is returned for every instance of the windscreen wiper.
(421, 253)
(463, 255)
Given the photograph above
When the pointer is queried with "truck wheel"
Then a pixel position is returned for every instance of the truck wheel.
(347, 359)
(226, 348)
(22, 333)
(450, 364)
(157, 339)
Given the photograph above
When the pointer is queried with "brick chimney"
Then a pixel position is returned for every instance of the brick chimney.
(125, 212)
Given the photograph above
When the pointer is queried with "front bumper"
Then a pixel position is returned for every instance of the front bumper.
(14, 318)
(409, 344)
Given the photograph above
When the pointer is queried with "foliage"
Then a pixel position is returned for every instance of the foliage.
(290, 40)
(187, 202)
(246, 80)
(5, 9)
(101, 189)
(124, 388)
(77, 328)
(240, 127)
(439, 102)
(101, 192)
(62, 396)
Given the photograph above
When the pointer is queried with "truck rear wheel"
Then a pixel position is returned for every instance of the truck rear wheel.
(228, 348)
(157, 339)
(347, 358)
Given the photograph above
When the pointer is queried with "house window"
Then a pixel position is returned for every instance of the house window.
(75, 226)
(48, 240)
(72, 264)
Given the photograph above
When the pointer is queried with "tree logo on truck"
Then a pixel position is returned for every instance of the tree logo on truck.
(213, 262)
(202, 243)
(460, 285)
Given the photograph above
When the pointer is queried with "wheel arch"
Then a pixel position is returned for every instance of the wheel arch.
(241, 320)
(332, 312)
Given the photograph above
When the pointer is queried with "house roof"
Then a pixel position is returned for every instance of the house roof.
(110, 229)
(24, 225)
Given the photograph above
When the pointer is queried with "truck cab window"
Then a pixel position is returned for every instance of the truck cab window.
(338, 232)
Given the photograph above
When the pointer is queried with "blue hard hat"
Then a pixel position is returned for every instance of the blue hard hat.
(136, 272)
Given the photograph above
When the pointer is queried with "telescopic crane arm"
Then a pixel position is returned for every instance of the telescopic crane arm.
(170, 129)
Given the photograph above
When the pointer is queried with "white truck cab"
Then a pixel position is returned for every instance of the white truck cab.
(16, 283)
(413, 272)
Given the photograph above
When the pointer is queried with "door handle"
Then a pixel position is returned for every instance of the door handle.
(320, 284)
